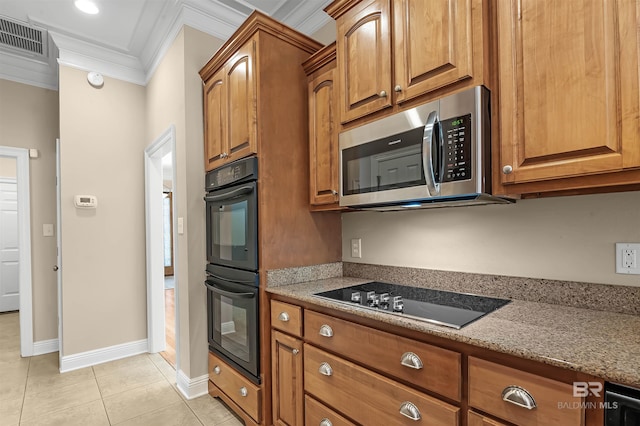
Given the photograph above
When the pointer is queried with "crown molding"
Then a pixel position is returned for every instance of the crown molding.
(307, 18)
(28, 71)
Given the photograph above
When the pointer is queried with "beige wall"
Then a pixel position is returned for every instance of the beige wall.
(29, 119)
(563, 238)
(8, 167)
(174, 96)
(102, 143)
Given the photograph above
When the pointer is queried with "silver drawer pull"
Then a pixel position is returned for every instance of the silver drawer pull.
(411, 360)
(244, 391)
(518, 396)
(216, 369)
(284, 317)
(326, 331)
(409, 409)
(325, 369)
(325, 422)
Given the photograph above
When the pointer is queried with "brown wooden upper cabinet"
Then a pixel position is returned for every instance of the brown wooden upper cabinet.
(393, 51)
(323, 128)
(229, 108)
(569, 100)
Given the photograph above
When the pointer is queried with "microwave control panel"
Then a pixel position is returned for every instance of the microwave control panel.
(456, 133)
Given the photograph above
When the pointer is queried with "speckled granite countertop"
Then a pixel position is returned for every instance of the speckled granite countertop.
(603, 344)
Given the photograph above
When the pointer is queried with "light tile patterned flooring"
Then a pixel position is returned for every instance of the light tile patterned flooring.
(139, 390)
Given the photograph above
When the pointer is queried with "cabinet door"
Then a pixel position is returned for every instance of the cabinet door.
(323, 139)
(433, 44)
(241, 110)
(568, 88)
(287, 386)
(214, 123)
(364, 59)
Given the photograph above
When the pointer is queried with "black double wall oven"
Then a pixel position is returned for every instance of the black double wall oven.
(232, 265)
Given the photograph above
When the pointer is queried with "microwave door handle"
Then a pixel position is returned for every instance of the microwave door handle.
(226, 279)
(231, 294)
(427, 154)
(230, 194)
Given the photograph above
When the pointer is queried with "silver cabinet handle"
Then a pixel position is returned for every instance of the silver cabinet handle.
(55, 267)
(383, 94)
(409, 409)
(284, 317)
(507, 169)
(398, 88)
(216, 369)
(411, 360)
(334, 192)
(325, 369)
(295, 351)
(518, 396)
(244, 391)
(326, 331)
(325, 422)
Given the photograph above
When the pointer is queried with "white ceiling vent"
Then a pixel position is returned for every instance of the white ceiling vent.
(23, 38)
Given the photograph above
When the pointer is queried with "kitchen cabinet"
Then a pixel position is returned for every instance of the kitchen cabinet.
(323, 129)
(392, 51)
(475, 419)
(569, 98)
(230, 109)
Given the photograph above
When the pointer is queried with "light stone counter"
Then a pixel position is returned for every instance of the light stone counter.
(600, 343)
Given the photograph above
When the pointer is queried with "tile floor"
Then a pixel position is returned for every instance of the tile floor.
(139, 390)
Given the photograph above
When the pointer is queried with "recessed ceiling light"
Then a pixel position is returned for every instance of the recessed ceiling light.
(87, 6)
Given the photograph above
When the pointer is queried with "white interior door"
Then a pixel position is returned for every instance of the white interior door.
(58, 266)
(9, 246)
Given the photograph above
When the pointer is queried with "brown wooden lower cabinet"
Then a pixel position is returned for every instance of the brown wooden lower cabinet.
(287, 385)
(475, 419)
(318, 414)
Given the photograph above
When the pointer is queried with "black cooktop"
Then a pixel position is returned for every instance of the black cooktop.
(435, 306)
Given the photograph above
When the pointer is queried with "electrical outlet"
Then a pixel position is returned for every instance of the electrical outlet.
(627, 258)
(356, 247)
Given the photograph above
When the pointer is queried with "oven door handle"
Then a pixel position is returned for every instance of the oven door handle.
(249, 282)
(227, 293)
(230, 194)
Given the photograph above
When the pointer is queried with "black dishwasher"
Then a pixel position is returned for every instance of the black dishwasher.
(622, 405)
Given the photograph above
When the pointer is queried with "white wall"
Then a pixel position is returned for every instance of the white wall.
(563, 238)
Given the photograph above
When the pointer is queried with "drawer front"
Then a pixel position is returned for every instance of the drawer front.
(554, 401)
(476, 419)
(369, 398)
(315, 413)
(235, 386)
(286, 317)
(426, 366)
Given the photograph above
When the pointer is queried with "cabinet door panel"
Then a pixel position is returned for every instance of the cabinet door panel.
(364, 47)
(288, 391)
(242, 103)
(323, 139)
(434, 45)
(567, 88)
(215, 117)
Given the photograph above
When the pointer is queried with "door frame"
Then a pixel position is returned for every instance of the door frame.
(164, 144)
(24, 242)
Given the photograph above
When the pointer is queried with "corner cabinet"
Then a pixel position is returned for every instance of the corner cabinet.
(569, 101)
(230, 109)
(393, 51)
(323, 129)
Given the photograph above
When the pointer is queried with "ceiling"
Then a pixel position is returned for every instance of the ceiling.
(128, 38)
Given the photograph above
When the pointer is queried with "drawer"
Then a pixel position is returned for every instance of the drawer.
(286, 317)
(367, 397)
(315, 413)
(554, 401)
(426, 366)
(237, 387)
(476, 419)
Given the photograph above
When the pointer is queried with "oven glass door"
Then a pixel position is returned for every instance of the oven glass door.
(232, 227)
(233, 322)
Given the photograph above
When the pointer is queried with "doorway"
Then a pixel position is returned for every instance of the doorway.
(15, 241)
(162, 311)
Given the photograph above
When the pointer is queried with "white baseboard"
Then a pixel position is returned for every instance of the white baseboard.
(45, 347)
(192, 388)
(99, 356)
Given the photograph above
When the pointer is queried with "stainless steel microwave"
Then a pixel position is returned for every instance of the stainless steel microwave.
(433, 155)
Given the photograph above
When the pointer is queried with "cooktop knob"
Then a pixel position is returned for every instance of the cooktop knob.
(355, 297)
(398, 304)
(384, 300)
(374, 300)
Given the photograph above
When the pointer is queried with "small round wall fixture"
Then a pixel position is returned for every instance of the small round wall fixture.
(95, 79)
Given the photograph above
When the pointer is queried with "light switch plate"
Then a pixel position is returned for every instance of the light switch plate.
(47, 230)
(628, 258)
(356, 247)
(180, 226)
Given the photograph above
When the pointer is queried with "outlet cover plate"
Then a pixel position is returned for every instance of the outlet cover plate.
(631, 253)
